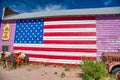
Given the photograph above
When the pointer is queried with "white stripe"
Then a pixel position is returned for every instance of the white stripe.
(70, 22)
(71, 30)
(69, 38)
(56, 60)
(107, 50)
(90, 46)
(85, 54)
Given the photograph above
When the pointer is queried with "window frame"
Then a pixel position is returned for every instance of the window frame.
(6, 46)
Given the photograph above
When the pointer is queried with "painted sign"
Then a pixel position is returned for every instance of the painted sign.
(6, 32)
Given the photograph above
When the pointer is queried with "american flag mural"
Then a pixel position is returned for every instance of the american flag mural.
(57, 40)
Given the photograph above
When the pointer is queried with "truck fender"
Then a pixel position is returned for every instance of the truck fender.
(113, 66)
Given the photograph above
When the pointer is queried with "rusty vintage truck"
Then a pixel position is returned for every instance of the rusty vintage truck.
(112, 61)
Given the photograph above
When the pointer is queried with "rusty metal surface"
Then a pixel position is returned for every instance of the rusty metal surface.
(112, 56)
(111, 59)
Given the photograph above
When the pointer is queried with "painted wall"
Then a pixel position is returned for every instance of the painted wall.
(108, 33)
(12, 30)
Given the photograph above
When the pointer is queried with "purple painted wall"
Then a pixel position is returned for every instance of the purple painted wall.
(108, 33)
(12, 30)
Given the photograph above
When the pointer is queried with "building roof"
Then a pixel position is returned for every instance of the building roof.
(7, 12)
(73, 12)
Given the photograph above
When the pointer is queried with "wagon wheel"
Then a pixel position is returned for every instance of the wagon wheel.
(26, 59)
(11, 60)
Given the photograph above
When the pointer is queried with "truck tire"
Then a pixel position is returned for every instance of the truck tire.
(116, 72)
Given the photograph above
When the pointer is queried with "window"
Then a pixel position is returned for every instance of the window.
(6, 48)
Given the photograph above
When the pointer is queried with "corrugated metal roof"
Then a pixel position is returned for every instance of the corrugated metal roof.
(74, 12)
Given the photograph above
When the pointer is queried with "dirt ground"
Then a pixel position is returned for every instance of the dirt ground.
(40, 72)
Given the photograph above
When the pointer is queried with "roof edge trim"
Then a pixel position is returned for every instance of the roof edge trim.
(73, 12)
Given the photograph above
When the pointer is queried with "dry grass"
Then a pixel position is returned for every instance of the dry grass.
(42, 72)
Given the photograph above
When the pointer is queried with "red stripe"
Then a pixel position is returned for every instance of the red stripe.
(69, 42)
(70, 34)
(55, 49)
(61, 18)
(70, 26)
(60, 57)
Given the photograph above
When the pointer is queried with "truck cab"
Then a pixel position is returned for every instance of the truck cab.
(112, 62)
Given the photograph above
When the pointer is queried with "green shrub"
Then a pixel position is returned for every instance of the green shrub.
(93, 70)
(66, 67)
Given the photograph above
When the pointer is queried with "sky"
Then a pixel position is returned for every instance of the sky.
(22, 6)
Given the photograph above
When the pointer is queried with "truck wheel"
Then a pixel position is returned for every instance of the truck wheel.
(116, 72)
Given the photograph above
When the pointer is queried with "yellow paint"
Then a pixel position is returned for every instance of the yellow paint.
(6, 32)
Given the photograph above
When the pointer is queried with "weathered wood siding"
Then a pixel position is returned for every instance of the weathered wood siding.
(12, 31)
(108, 33)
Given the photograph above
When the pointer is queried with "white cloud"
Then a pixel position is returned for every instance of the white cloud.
(14, 6)
(16, 9)
(107, 2)
(39, 8)
(50, 7)
(53, 7)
